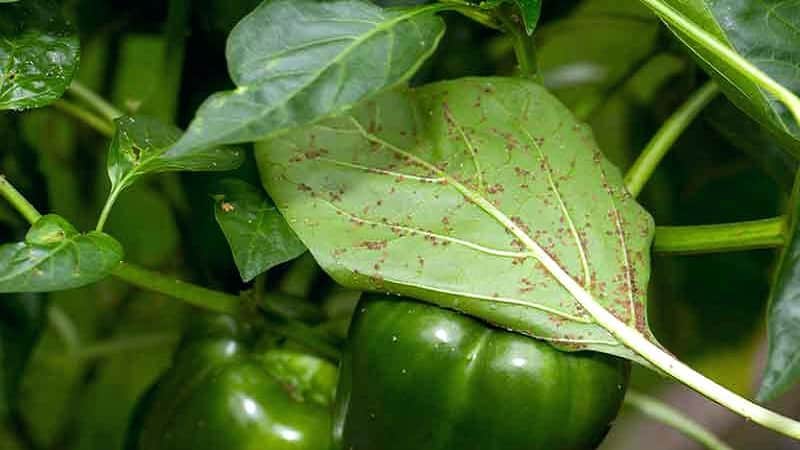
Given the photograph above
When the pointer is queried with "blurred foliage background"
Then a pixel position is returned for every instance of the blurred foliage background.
(91, 352)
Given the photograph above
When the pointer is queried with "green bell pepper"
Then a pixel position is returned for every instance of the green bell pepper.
(225, 392)
(416, 376)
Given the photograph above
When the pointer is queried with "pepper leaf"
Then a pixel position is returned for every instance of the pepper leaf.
(296, 61)
(477, 195)
(783, 315)
(259, 237)
(38, 54)
(139, 148)
(55, 256)
(763, 32)
(531, 10)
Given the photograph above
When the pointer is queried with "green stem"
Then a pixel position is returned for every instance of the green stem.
(725, 53)
(18, 201)
(112, 198)
(222, 303)
(668, 415)
(89, 118)
(658, 146)
(106, 109)
(750, 235)
(190, 293)
(524, 48)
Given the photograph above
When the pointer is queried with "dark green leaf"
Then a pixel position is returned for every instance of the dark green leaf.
(38, 54)
(458, 193)
(783, 316)
(531, 10)
(296, 61)
(21, 320)
(139, 147)
(259, 237)
(748, 136)
(55, 256)
(766, 34)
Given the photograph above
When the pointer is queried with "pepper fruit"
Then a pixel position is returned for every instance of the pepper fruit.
(225, 392)
(417, 376)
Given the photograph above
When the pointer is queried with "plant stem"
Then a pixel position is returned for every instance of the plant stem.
(222, 303)
(670, 416)
(524, 48)
(190, 293)
(18, 201)
(755, 234)
(662, 141)
(112, 198)
(89, 118)
(106, 109)
(739, 63)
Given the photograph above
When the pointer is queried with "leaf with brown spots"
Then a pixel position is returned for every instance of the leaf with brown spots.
(526, 236)
(256, 232)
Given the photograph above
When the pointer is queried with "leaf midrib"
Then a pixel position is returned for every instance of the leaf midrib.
(538, 252)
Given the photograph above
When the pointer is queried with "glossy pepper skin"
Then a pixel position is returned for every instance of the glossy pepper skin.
(416, 376)
(222, 393)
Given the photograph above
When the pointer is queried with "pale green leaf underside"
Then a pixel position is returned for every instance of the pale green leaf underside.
(38, 54)
(296, 61)
(766, 33)
(433, 193)
(256, 232)
(55, 256)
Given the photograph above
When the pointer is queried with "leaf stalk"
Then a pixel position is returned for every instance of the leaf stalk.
(89, 118)
(18, 201)
(725, 237)
(665, 137)
(101, 105)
